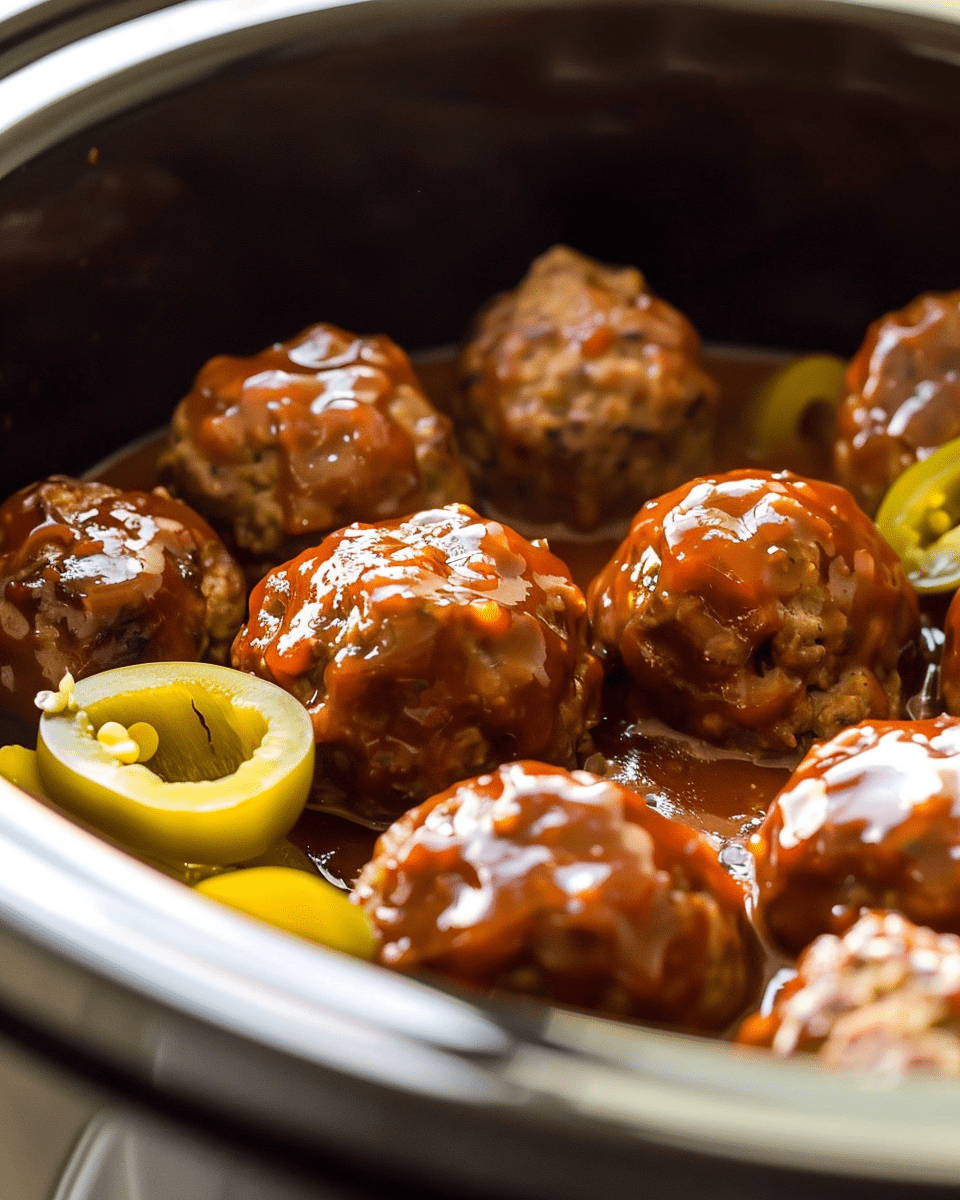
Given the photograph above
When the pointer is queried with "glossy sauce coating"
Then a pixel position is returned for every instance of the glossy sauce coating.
(93, 578)
(756, 610)
(582, 394)
(563, 885)
(307, 436)
(723, 794)
(870, 819)
(903, 396)
(884, 996)
(425, 650)
(950, 660)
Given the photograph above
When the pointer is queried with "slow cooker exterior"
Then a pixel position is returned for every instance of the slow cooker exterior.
(213, 176)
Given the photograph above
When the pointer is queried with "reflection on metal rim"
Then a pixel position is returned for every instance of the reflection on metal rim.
(135, 61)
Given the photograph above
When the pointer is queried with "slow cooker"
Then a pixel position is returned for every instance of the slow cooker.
(213, 174)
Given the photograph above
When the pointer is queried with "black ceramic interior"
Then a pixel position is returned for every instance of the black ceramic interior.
(782, 179)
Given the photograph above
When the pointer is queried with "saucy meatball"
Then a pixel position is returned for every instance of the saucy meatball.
(885, 996)
(582, 394)
(756, 610)
(425, 650)
(566, 886)
(950, 661)
(903, 396)
(870, 819)
(93, 578)
(283, 447)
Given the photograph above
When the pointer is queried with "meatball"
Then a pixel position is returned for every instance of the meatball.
(582, 394)
(425, 650)
(870, 819)
(566, 886)
(93, 578)
(950, 662)
(756, 610)
(281, 448)
(884, 996)
(903, 396)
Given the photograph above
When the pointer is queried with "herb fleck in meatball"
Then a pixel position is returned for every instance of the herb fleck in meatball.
(870, 819)
(281, 448)
(903, 396)
(885, 996)
(582, 394)
(425, 650)
(756, 610)
(93, 578)
(566, 886)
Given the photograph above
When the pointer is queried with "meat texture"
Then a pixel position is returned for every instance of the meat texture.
(903, 396)
(884, 997)
(283, 447)
(756, 610)
(93, 578)
(950, 660)
(870, 819)
(582, 394)
(425, 650)
(567, 886)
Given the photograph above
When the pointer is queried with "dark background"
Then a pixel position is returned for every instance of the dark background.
(782, 181)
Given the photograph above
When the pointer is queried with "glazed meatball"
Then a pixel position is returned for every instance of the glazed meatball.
(903, 396)
(756, 610)
(950, 661)
(885, 996)
(93, 578)
(281, 448)
(870, 819)
(582, 394)
(425, 650)
(566, 886)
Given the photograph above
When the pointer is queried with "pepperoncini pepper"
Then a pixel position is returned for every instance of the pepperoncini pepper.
(19, 765)
(920, 518)
(182, 762)
(297, 902)
(786, 398)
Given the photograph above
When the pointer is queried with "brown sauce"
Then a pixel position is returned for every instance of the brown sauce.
(723, 794)
(338, 848)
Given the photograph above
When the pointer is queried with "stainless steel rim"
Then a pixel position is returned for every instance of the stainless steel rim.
(131, 63)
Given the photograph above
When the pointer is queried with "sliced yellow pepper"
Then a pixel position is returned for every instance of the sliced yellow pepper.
(297, 902)
(231, 767)
(19, 766)
(786, 397)
(920, 518)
